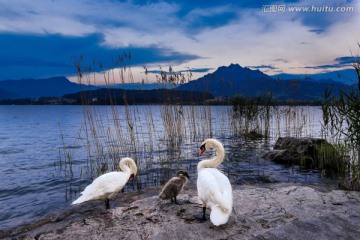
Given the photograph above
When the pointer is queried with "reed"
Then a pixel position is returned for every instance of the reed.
(341, 116)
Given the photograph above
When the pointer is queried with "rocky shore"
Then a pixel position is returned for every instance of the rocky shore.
(266, 211)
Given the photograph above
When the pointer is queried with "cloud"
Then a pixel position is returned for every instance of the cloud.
(200, 34)
(39, 56)
(199, 19)
(346, 60)
(341, 62)
(317, 31)
(262, 67)
(320, 15)
(192, 70)
(201, 70)
(80, 18)
(280, 60)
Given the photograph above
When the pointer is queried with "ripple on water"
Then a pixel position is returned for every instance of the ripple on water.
(11, 151)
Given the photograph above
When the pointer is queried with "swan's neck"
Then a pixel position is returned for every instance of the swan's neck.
(214, 162)
(127, 166)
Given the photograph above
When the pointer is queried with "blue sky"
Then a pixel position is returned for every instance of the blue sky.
(40, 38)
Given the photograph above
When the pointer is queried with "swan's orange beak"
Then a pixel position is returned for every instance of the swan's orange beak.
(202, 149)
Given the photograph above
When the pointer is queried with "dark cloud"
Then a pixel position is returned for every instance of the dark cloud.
(281, 60)
(23, 56)
(232, 10)
(201, 70)
(346, 60)
(340, 63)
(317, 31)
(197, 23)
(197, 70)
(262, 67)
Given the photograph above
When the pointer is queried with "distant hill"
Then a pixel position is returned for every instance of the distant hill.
(117, 96)
(140, 86)
(347, 76)
(234, 79)
(35, 88)
(7, 95)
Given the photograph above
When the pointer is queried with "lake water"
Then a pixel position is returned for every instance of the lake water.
(33, 139)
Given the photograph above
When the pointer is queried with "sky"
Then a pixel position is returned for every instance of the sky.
(45, 38)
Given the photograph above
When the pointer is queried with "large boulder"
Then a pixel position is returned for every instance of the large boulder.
(307, 152)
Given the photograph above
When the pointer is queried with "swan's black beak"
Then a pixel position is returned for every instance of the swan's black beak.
(131, 177)
(202, 149)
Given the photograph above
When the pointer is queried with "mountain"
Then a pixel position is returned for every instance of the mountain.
(231, 80)
(346, 76)
(35, 88)
(234, 79)
(7, 95)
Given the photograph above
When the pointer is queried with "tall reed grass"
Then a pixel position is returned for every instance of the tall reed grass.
(341, 116)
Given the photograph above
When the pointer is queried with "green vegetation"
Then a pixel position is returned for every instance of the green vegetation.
(341, 116)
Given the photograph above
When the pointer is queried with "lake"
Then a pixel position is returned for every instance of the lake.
(49, 153)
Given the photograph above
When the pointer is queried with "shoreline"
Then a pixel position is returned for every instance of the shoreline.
(261, 211)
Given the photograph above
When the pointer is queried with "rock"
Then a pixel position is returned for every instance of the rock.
(253, 134)
(307, 152)
(268, 211)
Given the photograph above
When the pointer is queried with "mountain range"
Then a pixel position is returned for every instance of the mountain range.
(346, 76)
(226, 81)
(35, 88)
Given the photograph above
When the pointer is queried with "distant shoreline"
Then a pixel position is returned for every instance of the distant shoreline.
(61, 101)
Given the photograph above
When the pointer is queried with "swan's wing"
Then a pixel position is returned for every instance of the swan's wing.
(215, 191)
(106, 185)
(214, 188)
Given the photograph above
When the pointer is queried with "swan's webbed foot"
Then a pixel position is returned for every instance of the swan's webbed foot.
(202, 216)
(107, 204)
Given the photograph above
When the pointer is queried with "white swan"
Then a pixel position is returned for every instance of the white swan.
(108, 184)
(214, 188)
